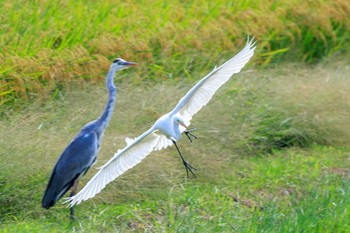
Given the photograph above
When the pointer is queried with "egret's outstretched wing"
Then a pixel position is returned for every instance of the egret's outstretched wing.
(135, 151)
(204, 90)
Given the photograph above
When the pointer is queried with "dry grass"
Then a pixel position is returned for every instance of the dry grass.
(316, 101)
(319, 97)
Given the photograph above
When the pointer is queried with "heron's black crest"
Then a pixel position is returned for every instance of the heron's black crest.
(117, 60)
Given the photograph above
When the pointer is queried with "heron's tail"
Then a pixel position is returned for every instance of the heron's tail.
(47, 203)
(54, 191)
(49, 198)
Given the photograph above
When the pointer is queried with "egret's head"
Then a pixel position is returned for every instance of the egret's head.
(120, 64)
(179, 121)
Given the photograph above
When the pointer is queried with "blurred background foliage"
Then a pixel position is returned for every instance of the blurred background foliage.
(46, 45)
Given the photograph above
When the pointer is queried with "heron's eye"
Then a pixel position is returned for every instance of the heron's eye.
(117, 61)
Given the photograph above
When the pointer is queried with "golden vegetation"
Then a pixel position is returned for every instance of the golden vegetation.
(45, 46)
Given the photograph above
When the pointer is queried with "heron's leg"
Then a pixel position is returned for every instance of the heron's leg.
(186, 164)
(189, 134)
(74, 190)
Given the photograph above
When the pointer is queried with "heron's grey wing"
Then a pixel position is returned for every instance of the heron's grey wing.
(135, 151)
(75, 160)
(204, 90)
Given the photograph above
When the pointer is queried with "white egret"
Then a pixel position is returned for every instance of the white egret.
(168, 128)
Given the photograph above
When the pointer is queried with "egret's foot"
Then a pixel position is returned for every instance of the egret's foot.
(189, 134)
(189, 167)
(186, 164)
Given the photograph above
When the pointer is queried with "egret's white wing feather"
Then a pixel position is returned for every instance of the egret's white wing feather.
(163, 142)
(135, 151)
(204, 90)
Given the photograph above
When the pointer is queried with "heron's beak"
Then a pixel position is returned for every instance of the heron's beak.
(128, 63)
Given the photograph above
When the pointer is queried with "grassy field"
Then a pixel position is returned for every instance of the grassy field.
(272, 156)
(273, 150)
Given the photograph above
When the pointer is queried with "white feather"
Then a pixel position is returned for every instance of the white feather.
(135, 151)
(204, 90)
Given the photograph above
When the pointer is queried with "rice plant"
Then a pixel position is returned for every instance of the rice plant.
(46, 43)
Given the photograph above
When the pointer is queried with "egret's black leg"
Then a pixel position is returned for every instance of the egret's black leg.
(74, 190)
(186, 164)
(189, 134)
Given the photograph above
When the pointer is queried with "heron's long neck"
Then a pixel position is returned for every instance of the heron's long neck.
(107, 113)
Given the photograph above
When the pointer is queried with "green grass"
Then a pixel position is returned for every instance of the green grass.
(45, 45)
(290, 191)
(252, 175)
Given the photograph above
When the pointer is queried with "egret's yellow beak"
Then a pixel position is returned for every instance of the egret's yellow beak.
(183, 124)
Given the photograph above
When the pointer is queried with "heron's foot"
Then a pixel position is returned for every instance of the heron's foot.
(72, 217)
(189, 167)
(189, 134)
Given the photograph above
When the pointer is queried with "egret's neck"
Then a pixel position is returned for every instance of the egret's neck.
(107, 113)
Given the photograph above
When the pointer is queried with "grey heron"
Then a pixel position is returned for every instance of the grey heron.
(168, 128)
(82, 151)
